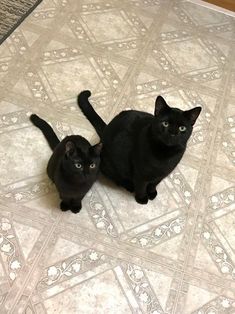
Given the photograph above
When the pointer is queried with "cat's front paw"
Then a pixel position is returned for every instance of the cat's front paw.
(152, 195)
(64, 206)
(141, 200)
(76, 209)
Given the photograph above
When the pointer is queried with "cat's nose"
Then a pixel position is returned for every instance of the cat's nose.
(173, 131)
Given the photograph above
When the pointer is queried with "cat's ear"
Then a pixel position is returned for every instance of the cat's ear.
(97, 149)
(160, 105)
(193, 114)
(69, 148)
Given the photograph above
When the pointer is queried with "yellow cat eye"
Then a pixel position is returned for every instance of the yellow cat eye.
(165, 124)
(92, 166)
(182, 128)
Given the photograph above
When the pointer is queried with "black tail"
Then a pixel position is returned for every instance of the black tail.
(90, 113)
(46, 129)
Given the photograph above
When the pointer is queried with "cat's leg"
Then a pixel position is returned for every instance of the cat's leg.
(141, 196)
(151, 188)
(64, 206)
(128, 185)
(65, 202)
(151, 191)
(76, 206)
(108, 170)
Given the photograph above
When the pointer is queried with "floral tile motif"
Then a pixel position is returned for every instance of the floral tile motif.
(59, 272)
(8, 248)
(16, 252)
(174, 255)
(218, 253)
(160, 233)
(204, 301)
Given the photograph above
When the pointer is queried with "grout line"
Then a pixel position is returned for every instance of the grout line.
(213, 219)
(125, 293)
(155, 220)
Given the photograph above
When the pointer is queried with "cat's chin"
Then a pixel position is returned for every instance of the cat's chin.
(173, 143)
(166, 141)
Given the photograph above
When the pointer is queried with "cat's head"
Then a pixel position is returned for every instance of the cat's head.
(171, 125)
(82, 160)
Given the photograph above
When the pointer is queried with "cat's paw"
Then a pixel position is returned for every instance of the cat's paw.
(76, 208)
(152, 195)
(64, 206)
(141, 200)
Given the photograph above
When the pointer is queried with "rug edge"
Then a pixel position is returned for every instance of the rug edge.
(23, 17)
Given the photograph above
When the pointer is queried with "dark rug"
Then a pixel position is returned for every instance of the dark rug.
(12, 14)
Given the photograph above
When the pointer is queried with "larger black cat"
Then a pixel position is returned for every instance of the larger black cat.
(140, 149)
(73, 166)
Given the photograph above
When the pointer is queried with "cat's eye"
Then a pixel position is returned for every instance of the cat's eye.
(92, 166)
(79, 166)
(165, 124)
(182, 128)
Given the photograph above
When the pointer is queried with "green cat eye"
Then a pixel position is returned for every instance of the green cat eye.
(92, 166)
(165, 124)
(182, 128)
(79, 166)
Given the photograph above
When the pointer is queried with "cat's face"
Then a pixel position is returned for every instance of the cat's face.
(173, 126)
(82, 162)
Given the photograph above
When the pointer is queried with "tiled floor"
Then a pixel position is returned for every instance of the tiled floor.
(175, 255)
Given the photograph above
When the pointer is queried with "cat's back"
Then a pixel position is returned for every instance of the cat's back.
(129, 116)
(122, 124)
(118, 142)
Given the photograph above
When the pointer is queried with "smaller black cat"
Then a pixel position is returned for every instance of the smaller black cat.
(73, 166)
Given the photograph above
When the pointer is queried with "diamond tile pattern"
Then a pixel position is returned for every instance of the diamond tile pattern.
(175, 255)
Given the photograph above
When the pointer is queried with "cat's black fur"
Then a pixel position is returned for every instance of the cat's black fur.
(141, 149)
(73, 166)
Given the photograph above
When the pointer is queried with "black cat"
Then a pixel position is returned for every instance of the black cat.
(73, 166)
(140, 149)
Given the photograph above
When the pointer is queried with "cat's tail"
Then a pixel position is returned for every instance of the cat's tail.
(46, 129)
(90, 113)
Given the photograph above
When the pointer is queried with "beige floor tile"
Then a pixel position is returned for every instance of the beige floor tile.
(175, 255)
